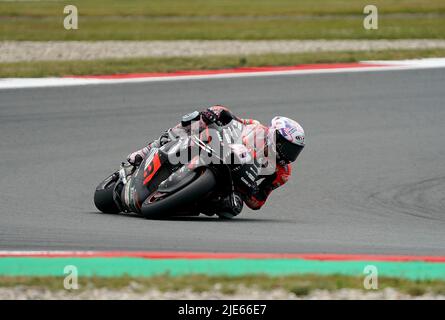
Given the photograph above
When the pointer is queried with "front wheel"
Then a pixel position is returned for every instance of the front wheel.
(171, 204)
(103, 196)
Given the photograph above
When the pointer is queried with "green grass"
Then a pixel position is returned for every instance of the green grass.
(299, 284)
(227, 8)
(138, 65)
(234, 19)
(239, 29)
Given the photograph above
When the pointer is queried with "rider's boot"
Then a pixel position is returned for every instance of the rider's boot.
(230, 206)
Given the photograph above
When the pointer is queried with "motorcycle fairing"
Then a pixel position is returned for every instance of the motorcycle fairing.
(178, 180)
(152, 171)
(151, 168)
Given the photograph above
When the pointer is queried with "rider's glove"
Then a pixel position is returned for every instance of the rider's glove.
(209, 117)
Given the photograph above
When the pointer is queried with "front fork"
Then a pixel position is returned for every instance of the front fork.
(119, 189)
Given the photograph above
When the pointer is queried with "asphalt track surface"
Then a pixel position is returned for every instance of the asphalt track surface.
(371, 180)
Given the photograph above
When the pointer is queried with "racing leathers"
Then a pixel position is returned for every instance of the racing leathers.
(221, 115)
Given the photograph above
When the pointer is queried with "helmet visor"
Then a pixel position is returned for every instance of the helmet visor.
(287, 150)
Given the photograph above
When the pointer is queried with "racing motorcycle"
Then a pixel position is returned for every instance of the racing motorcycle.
(218, 168)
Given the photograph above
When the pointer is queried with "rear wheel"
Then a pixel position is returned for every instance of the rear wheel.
(103, 197)
(158, 206)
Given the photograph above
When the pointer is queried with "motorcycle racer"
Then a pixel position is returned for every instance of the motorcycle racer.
(285, 136)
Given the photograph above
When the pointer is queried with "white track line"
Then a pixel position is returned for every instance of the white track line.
(18, 83)
(38, 253)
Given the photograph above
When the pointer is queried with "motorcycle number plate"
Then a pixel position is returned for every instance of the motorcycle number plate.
(151, 168)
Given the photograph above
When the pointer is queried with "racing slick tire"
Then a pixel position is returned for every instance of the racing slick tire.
(188, 195)
(103, 196)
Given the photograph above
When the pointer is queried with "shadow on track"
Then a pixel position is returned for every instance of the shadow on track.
(216, 219)
(200, 218)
